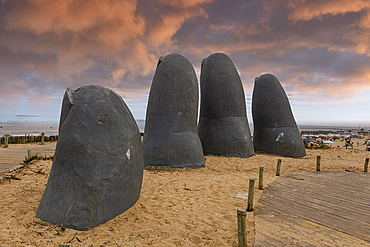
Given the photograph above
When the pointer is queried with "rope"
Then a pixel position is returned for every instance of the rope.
(165, 234)
(244, 233)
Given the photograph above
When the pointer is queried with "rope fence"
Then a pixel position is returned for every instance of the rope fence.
(318, 166)
(242, 213)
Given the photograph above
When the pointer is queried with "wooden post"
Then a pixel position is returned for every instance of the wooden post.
(260, 179)
(65, 245)
(29, 154)
(242, 231)
(6, 141)
(366, 164)
(250, 194)
(278, 167)
(42, 138)
(318, 163)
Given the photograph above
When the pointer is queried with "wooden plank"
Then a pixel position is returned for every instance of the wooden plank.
(351, 230)
(359, 176)
(349, 212)
(304, 203)
(336, 210)
(319, 218)
(309, 234)
(288, 218)
(355, 174)
(290, 223)
(306, 211)
(270, 241)
(337, 200)
(327, 183)
(323, 188)
(335, 190)
(343, 198)
(346, 178)
(328, 190)
(321, 180)
(347, 183)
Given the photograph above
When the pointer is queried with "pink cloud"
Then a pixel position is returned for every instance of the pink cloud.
(47, 46)
(61, 16)
(305, 10)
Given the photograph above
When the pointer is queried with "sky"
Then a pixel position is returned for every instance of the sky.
(319, 50)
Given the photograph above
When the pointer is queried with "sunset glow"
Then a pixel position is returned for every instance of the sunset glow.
(319, 50)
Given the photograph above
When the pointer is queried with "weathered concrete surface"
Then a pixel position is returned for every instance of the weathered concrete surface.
(98, 166)
(170, 136)
(275, 130)
(223, 125)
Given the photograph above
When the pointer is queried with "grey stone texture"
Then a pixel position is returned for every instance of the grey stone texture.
(223, 125)
(97, 170)
(275, 129)
(170, 136)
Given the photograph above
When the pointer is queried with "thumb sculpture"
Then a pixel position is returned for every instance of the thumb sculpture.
(275, 130)
(223, 125)
(97, 171)
(170, 136)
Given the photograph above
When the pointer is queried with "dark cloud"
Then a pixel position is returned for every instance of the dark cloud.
(308, 45)
(311, 46)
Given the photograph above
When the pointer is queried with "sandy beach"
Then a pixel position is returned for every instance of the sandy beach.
(171, 201)
(10, 158)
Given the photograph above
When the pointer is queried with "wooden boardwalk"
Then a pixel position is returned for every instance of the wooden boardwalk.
(315, 209)
(12, 156)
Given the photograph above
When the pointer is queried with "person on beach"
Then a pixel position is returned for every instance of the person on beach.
(348, 144)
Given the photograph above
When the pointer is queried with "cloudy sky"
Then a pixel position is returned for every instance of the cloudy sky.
(319, 50)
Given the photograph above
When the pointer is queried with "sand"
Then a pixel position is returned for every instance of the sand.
(11, 157)
(171, 201)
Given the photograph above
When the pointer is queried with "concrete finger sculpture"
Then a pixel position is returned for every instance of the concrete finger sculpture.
(275, 130)
(170, 136)
(97, 171)
(223, 125)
